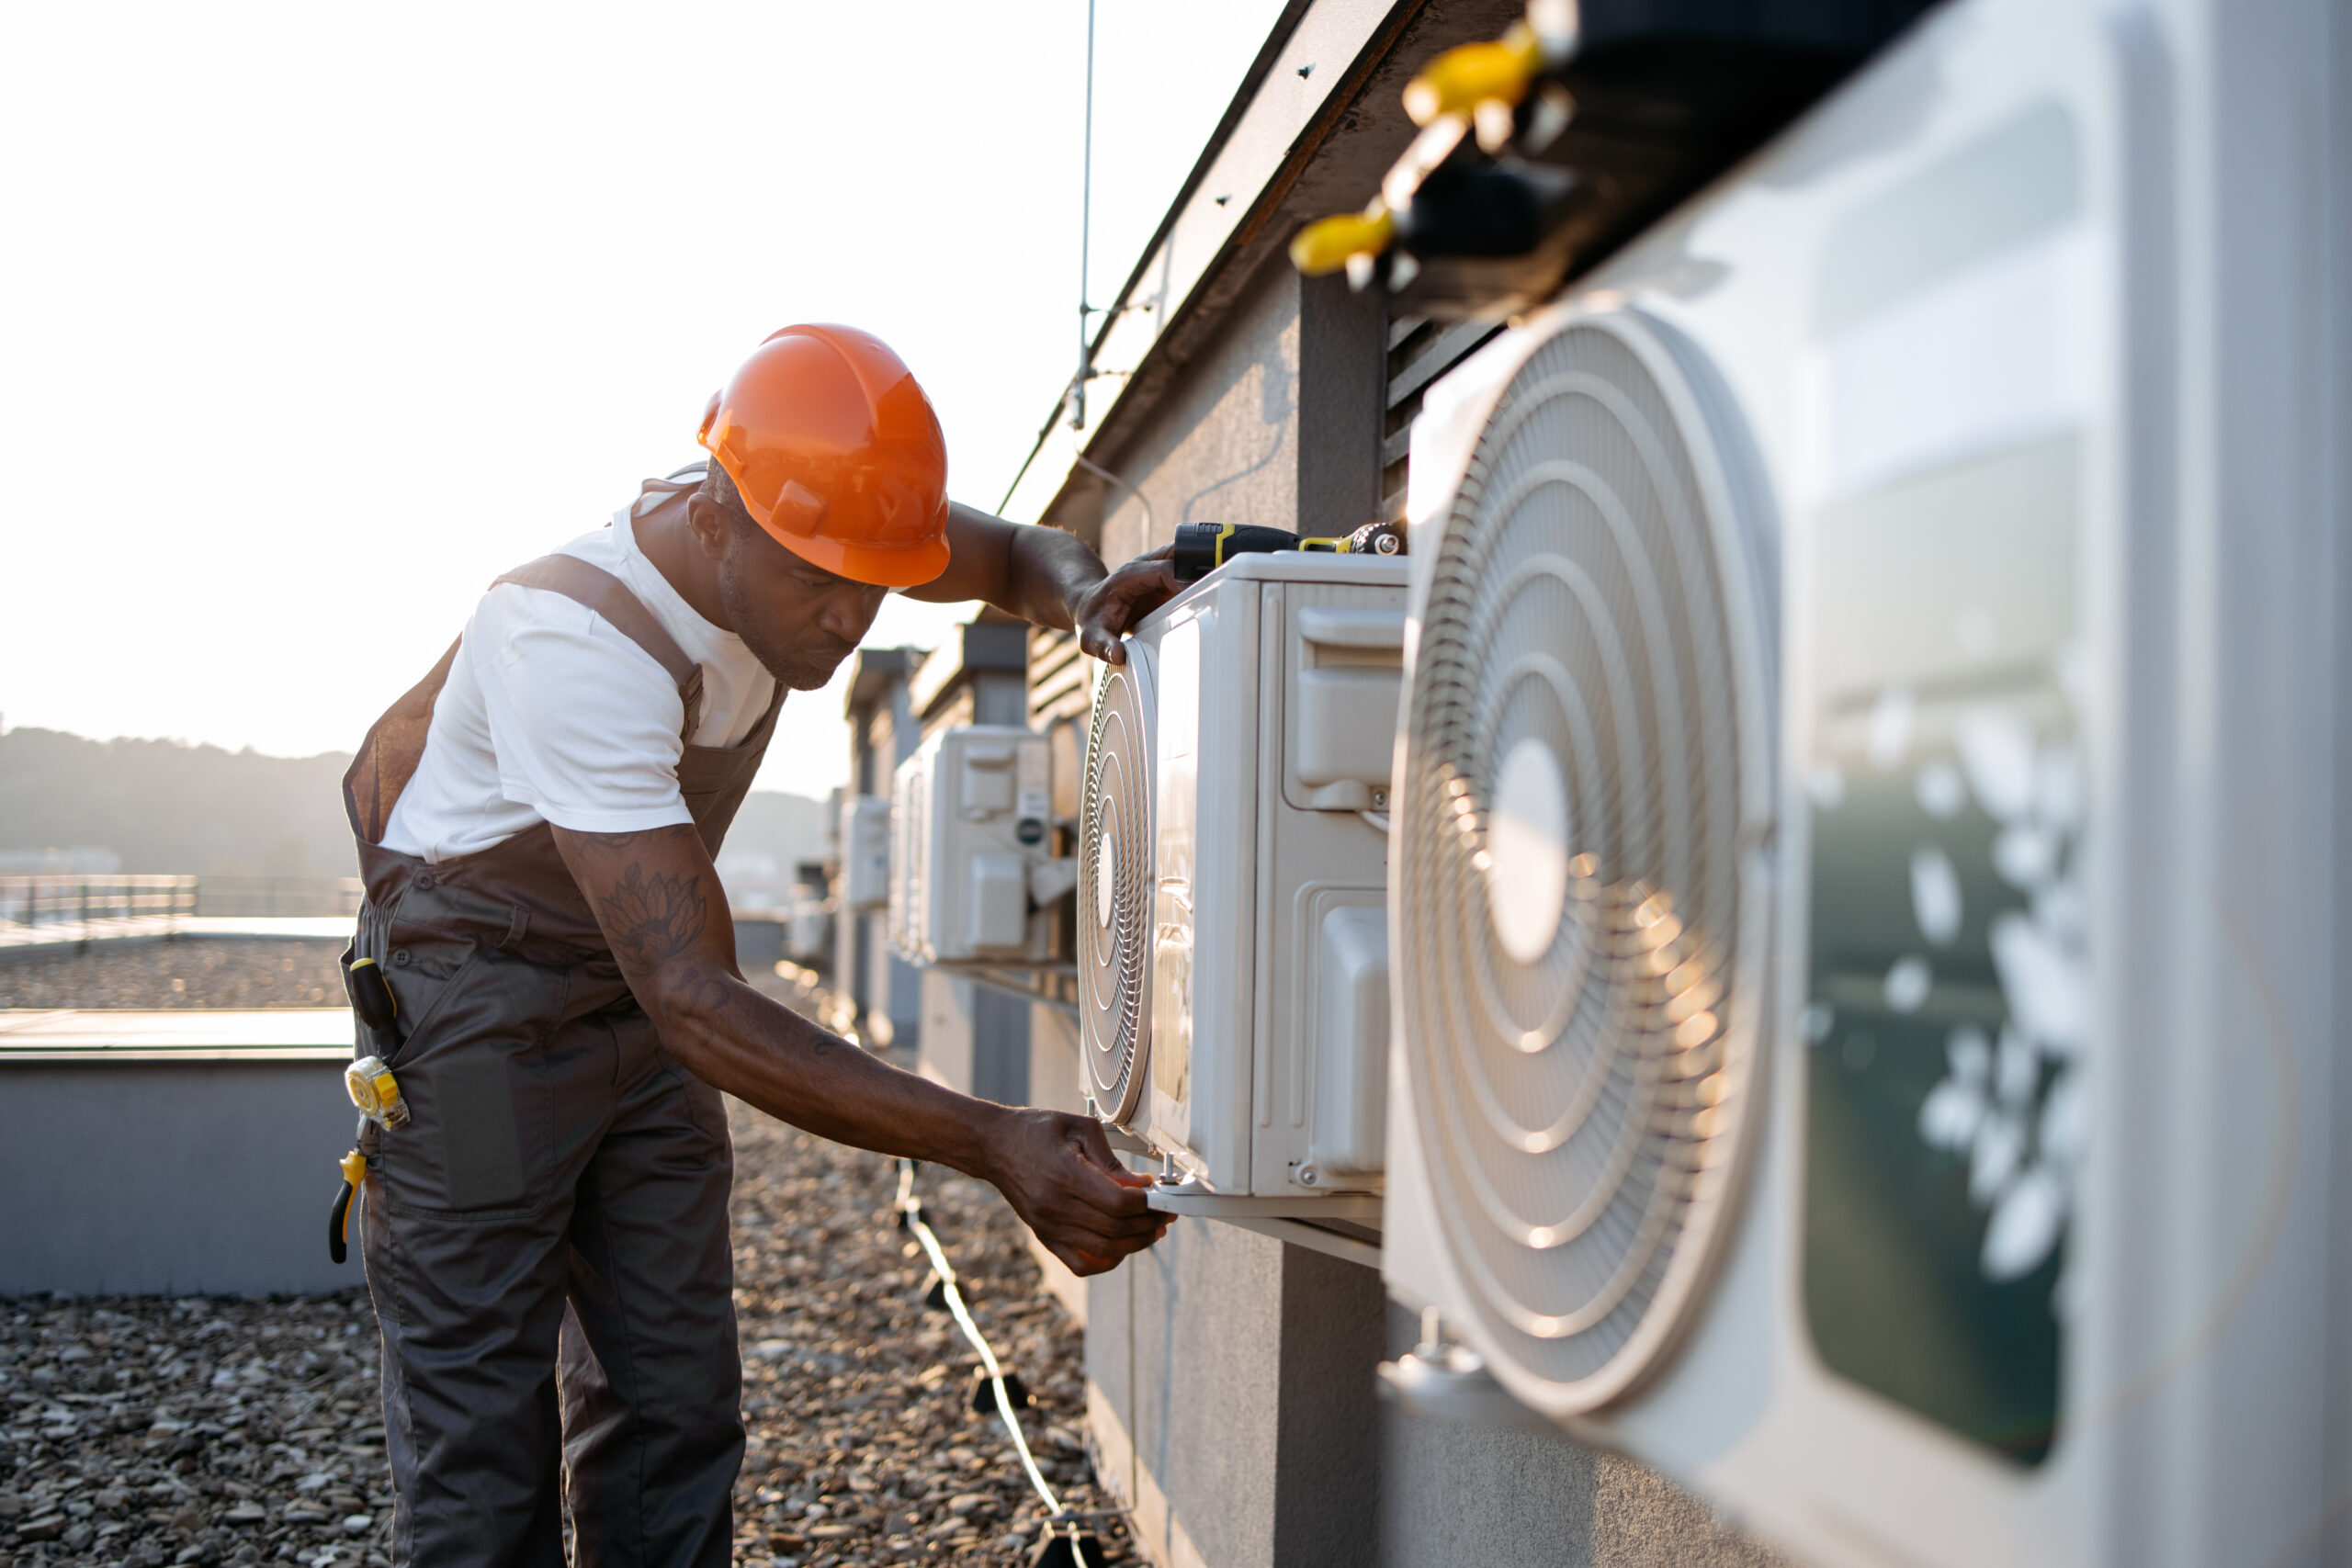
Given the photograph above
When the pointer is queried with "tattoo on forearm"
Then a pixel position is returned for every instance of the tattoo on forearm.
(651, 919)
(708, 990)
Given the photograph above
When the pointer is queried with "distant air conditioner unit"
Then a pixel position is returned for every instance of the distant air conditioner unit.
(809, 929)
(1838, 1056)
(865, 852)
(1233, 942)
(970, 868)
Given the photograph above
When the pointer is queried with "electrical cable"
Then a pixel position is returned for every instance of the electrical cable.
(1085, 227)
(1102, 473)
(910, 1208)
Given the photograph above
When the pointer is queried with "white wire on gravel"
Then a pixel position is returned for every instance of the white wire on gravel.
(910, 1206)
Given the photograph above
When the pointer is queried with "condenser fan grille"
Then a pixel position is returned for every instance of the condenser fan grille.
(1114, 890)
(1577, 930)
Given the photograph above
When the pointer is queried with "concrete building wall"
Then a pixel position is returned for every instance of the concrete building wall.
(975, 1037)
(1054, 1064)
(1456, 1493)
(1224, 445)
(219, 1180)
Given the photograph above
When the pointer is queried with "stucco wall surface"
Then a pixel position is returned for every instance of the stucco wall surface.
(1224, 446)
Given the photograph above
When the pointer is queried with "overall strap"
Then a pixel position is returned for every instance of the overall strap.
(600, 591)
(388, 758)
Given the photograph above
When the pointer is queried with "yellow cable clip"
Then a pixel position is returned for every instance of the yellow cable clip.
(1462, 78)
(1325, 245)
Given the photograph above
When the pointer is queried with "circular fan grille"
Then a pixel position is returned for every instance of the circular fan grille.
(1114, 888)
(1582, 934)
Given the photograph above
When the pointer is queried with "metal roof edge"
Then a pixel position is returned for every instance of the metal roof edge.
(1376, 26)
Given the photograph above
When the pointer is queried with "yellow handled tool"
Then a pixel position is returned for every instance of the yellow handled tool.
(1325, 245)
(1470, 74)
(355, 1171)
(1202, 548)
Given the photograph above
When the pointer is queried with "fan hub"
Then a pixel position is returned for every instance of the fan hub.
(1527, 849)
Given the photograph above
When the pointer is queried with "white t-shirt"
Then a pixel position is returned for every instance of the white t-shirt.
(550, 713)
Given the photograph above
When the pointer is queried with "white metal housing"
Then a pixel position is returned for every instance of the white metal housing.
(1864, 947)
(809, 929)
(969, 815)
(1264, 700)
(865, 851)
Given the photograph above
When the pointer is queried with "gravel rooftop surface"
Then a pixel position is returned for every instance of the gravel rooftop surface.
(192, 972)
(145, 1432)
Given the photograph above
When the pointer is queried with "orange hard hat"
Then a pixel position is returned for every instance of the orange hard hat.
(836, 454)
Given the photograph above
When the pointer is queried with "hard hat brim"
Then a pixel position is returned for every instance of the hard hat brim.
(907, 566)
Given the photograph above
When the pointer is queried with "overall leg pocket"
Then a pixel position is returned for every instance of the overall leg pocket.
(477, 1138)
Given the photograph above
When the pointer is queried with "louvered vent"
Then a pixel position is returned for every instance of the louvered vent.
(1114, 888)
(1418, 353)
(1583, 927)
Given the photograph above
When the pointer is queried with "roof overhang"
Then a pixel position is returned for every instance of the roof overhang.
(1318, 119)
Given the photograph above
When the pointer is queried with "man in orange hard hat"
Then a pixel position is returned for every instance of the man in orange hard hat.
(545, 1237)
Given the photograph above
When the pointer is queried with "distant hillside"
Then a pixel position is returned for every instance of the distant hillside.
(165, 806)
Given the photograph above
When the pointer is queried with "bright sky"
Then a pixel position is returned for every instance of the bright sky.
(315, 319)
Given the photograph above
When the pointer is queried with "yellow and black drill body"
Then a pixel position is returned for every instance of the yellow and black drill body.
(1202, 548)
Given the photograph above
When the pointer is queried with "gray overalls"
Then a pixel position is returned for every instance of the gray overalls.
(546, 1240)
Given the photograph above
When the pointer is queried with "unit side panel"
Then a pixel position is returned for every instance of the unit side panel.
(1312, 861)
(1205, 918)
(1226, 857)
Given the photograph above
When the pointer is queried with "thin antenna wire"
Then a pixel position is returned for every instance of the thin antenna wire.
(1085, 227)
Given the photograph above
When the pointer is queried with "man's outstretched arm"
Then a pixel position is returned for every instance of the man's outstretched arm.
(1048, 578)
(661, 908)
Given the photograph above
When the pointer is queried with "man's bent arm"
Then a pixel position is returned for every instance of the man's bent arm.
(661, 907)
(1048, 578)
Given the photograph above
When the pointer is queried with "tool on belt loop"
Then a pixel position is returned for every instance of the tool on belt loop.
(371, 1086)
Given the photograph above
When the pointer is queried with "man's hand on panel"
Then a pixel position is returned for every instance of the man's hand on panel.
(1059, 1175)
(1113, 606)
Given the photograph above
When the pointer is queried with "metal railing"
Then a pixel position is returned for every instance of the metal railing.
(42, 898)
(284, 897)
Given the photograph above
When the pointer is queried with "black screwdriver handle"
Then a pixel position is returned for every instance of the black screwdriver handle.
(371, 995)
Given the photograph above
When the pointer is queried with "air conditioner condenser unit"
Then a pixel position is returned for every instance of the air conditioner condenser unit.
(809, 929)
(1232, 928)
(971, 871)
(865, 851)
(1838, 1057)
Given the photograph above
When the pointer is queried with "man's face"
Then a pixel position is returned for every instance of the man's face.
(799, 620)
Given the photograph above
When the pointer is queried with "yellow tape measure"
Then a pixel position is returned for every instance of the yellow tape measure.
(375, 1092)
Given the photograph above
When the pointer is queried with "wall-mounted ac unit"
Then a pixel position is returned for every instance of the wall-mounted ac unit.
(865, 851)
(969, 865)
(809, 929)
(1232, 928)
(1838, 1054)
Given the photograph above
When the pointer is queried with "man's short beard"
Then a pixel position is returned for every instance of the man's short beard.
(795, 670)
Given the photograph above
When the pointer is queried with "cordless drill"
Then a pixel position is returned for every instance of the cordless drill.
(1202, 548)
